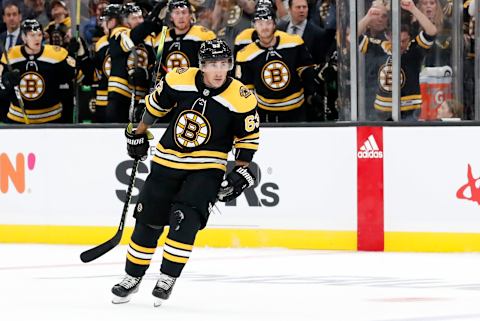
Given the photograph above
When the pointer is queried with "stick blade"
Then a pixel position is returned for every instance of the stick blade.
(99, 250)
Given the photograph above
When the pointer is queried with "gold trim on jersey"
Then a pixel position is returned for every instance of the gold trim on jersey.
(244, 37)
(410, 102)
(124, 33)
(422, 42)
(248, 142)
(237, 98)
(182, 79)
(53, 54)
(102, 42)
(364, 44)
(119, 85)
(201, 159)
(288, 40)
(152, 105)
(101, 98)
(14, 55)
(35, 116)
(249, 52)
(199, 33)
(293, 101)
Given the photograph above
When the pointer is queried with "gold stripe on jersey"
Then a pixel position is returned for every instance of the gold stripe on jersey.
(230, 98)
(133, 259)
(248, 142)
(124, 33)
(102, 42)
(14, 55)
(178, 245)
(153, 107)
(364, 44)
(194, 160)
(188, 166)
(422, 42)
(101, 98)
(35, 116)
(293, 101)
(244, 37)
(410, 102)
(288, 40)
(249, 52)
(199, 33)
(182, 79)
(53, 54)
(119, 85)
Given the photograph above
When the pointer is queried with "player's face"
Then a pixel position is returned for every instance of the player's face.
(181, 18)
(134, 20)
(33, 40)
(265, 29)
(215, 72)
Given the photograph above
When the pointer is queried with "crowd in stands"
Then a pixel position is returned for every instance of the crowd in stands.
(285, 52)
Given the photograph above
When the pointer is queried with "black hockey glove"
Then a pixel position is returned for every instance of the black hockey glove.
(11, 79)
(137, 76)
(137, 144)
(328, 71)
(156, 15)
(238, 180)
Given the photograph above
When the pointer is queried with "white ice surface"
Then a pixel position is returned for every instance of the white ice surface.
(49, 283)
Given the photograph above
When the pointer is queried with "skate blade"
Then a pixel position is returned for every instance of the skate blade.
(158, 302)
(119, 300)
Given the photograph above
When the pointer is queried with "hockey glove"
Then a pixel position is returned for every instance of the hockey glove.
(156, 15)
(11, 79)
(238, 180)
(137, 76)
(137, 144)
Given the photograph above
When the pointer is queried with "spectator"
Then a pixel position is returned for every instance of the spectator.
(12, 17)
(230, 17)
(92, 31)
(413, 53)
(314, 37)
(36, 9)
(450, 110)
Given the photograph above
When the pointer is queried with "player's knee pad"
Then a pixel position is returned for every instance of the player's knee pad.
(185, 222)
(146, 235)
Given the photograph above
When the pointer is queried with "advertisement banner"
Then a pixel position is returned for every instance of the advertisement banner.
(79, 177)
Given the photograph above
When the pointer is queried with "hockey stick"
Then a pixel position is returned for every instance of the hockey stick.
(158, 64)
(99, 250)
(131, 110)
(16, 89)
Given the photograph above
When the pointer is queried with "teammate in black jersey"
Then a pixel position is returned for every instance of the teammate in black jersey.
(211, 114)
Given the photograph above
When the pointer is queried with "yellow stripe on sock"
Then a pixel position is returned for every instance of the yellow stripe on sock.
(141, 248)
(137, 261)
(179, 245)
(175, 259)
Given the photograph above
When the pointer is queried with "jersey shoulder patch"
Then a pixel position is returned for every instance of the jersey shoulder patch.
(237, 97)
(182, 79)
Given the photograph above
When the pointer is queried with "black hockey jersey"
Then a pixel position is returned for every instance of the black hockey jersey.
(275, 73)
(182, 50)
(206, 122)
(411, 65)
(103, 65)
(42, 76)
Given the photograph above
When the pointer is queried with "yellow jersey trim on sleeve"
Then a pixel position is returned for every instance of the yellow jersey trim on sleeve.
(102, 42)
(14, 55)
(244, 37)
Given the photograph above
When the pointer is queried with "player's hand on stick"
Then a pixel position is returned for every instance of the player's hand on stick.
(137, 144)
(238, 180)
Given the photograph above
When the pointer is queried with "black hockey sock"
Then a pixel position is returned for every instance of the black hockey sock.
(141, 249)
(184, 225)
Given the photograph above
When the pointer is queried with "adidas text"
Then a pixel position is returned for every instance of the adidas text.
(370, 154)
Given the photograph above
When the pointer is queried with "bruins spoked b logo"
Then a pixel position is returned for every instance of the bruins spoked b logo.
(191, 129)
(177, 59)
(385, 77)
(32, 85)
(276, 75)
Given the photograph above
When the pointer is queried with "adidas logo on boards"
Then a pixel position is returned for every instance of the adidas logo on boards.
(370, 149)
